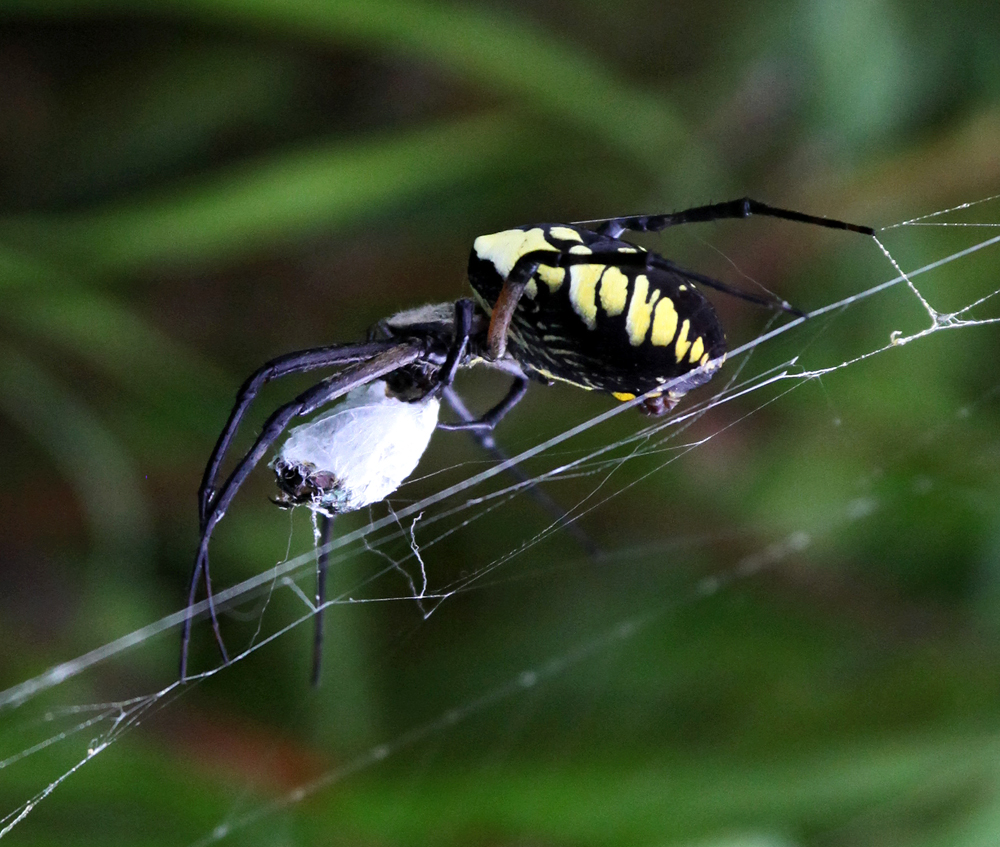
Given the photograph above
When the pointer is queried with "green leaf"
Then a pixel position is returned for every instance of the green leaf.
(532, 68)
(249, 207)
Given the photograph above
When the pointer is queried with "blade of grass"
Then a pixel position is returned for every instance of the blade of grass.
(100, 474)
(550, 77)
(42, 303)
(248, 207)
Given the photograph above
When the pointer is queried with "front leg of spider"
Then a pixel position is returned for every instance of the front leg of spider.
(375, 367)
(359, 452)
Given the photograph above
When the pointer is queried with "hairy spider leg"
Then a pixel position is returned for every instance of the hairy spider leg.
(484, 438)
(298, 362)
(309, 401)
(744, 207)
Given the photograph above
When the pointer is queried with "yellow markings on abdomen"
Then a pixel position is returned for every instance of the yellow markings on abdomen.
(640, 310)
(682, 343)
(583, 292)
(624, 396)
(697, 350)
(549, 375)
(614, 291)
(581, 249)
(564, 233)
(552, 277)
(503, 249)
(664, 323)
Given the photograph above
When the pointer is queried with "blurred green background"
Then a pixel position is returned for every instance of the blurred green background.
(191, 187)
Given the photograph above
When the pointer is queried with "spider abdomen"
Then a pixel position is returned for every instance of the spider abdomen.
(619, 324)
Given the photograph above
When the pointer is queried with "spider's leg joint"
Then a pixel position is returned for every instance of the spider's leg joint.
(460, 344)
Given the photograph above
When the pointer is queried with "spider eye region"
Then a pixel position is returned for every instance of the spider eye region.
(622, 321)
(356, 454)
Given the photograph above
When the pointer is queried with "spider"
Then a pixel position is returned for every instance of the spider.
(550, 302)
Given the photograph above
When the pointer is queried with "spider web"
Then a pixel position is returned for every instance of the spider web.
(400, 548)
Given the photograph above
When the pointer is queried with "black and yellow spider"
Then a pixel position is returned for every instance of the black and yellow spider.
(566, 302)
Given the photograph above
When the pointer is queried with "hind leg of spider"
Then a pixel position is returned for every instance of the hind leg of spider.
(770, 302)
(484, 438)
(300, 362)
(309, 401)
(325, 523)
(744, 207)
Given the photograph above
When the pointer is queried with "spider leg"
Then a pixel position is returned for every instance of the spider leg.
(503, 309)
(464, 311)
(484, 438)
(518, 388)
(666, 265)
(741, 208)
(522, 272)
(379, 365)
(201, 567)
(482, 428)
(322, 562)
(300, 362)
